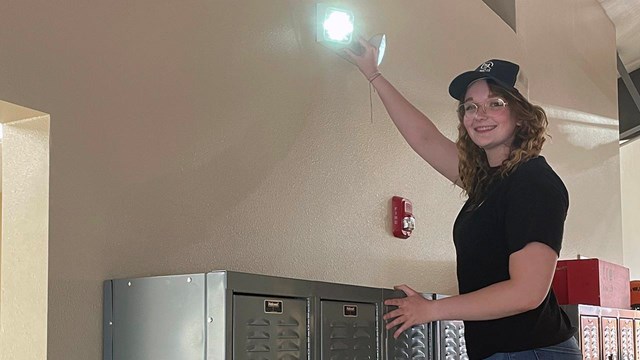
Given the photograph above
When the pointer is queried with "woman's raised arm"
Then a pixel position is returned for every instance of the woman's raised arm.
(417, 129)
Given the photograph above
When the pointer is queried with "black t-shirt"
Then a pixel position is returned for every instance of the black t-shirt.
(529, 205)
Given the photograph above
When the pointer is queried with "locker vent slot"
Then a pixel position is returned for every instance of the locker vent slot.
(288, 322)
(258, 322)
(258, 348)
(288, 346)
(255, 335)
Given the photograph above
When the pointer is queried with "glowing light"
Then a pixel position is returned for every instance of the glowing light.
(338, 26)
(336, 29)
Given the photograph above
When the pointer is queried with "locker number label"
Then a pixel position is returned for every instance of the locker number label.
(350, 310)
(273, 306)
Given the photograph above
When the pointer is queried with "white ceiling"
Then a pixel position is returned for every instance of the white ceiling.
(625, 15)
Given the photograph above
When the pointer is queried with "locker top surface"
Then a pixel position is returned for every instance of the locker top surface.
(249, 283)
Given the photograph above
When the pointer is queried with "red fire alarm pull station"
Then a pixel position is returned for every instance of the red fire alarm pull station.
(402, 214)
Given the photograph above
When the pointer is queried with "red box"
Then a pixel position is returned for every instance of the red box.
(592, 282)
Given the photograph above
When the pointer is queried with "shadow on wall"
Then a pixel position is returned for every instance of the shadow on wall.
(222, 142)
(581, 137)
(585, 151)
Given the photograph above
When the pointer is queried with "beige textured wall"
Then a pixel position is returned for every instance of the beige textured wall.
(573, 75)
(629, 174)
(191, 136)
(25, 233)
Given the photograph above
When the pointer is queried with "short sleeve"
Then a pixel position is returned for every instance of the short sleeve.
(536, 210)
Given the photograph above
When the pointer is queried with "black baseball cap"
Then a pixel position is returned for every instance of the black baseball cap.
(503, 72)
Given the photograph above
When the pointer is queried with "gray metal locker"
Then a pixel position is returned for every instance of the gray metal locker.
(436, 340)
(269, 328)
(605, 333)
(225, 315)
(627, 351)
(451, 344)
(349, 331)
(155, 318)
(415, 343)
(609, 339)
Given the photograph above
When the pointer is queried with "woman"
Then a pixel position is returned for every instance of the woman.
(508, 234)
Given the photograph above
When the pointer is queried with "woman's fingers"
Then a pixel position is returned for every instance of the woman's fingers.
(350, 54)
(407, 290)
(394, 302)
(402, 329)
(392, 314)
(397, 321)
(364, 58)
(366, 44)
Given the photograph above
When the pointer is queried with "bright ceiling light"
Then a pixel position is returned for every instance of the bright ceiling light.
(338, 26)
(335, 26)
(337, 30)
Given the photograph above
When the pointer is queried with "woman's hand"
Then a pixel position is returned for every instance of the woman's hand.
(367, 61)
(412, 310)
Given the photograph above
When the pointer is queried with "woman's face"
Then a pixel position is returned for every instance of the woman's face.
(491, 127)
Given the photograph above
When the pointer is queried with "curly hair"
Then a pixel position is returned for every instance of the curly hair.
(475, 173)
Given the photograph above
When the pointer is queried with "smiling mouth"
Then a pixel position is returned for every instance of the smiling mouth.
(484, 128)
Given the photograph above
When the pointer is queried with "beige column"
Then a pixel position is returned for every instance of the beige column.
(25, 233)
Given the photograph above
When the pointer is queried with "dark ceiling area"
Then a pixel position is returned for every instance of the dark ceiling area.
(628, 111)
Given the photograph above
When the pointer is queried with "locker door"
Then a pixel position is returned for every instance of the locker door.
(269, 328)
(626, 339)
(589, 337)
(610, 338)
(348, 331)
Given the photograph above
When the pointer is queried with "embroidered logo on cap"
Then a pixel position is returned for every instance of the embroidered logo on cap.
(486, 67)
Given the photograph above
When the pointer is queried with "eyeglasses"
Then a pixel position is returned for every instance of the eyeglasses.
(490, 106)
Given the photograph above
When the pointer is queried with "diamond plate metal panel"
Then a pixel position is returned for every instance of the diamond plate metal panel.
(626, 339)
(609, 338)
(160, 318)
(348, 331)
(267, 328)
(451, 339)
(589, 337)
(636, 330)
(450, 343)
(415, 343)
